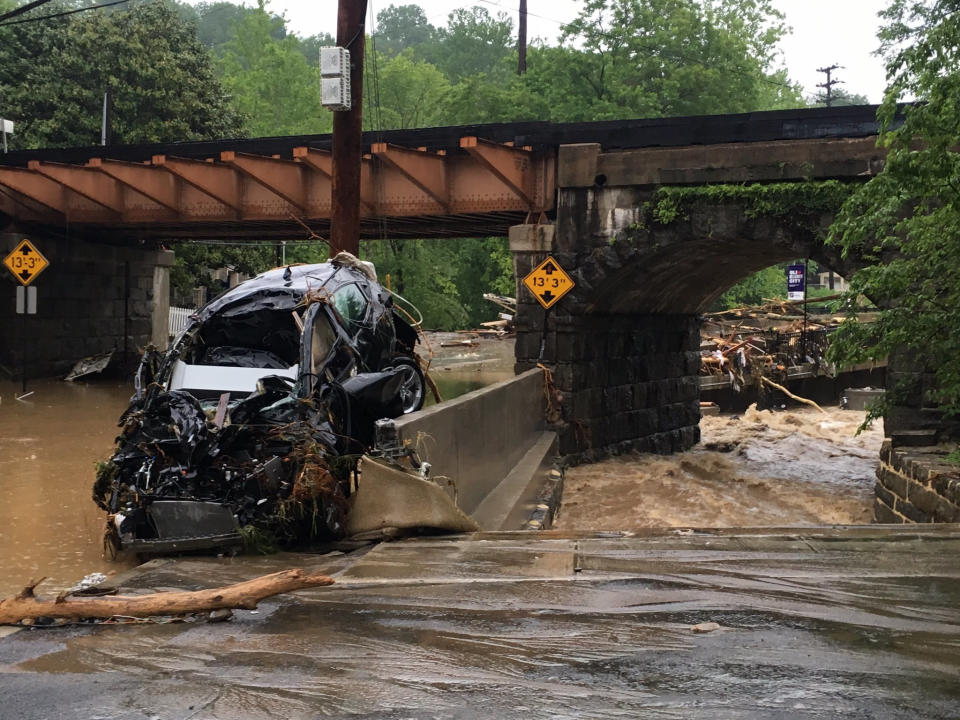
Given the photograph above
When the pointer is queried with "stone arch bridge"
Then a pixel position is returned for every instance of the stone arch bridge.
(623, 344)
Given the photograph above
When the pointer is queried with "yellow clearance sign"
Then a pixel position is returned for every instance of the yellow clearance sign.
(548, 282)
(25, 262)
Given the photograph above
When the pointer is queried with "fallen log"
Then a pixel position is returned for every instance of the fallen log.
(789, 394)
(244, 595)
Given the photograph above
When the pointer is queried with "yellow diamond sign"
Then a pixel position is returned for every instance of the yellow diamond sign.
(548, 282)
(25, 262)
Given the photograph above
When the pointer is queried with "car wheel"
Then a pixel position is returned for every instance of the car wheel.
(413, 386)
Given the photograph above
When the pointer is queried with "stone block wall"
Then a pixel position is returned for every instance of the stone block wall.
(625, 382)
(91, 299)
(915, 484)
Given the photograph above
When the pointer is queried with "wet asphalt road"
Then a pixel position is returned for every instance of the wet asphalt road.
(814, 623)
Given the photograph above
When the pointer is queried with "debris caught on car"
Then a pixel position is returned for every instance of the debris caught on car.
(248, 429)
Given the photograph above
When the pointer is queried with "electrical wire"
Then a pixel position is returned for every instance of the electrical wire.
(24, 9)
(63, 14)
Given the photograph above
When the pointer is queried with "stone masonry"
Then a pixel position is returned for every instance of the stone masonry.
(91, 299)
(626, 382)
(914, 482)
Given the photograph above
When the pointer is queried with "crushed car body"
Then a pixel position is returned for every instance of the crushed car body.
(249, 427)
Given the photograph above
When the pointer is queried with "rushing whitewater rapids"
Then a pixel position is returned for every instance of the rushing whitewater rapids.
(793, 467)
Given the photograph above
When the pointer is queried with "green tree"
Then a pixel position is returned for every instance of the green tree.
(475, 42)
(53, 74)
(270, 80)
(406, 93)
(310, 47)
(906, 220)
(841, 98)
(767, 284)
(400, 27)
(677, 57)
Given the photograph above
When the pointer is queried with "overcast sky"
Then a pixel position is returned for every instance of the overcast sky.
(825, 32)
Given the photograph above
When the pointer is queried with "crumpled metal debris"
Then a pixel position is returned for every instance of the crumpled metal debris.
(89, 366)
(202, 467)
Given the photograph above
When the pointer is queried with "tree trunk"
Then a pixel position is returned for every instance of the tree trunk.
(241, 595)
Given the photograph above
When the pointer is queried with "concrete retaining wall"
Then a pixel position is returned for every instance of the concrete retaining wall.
(916, 485)
(478, 438)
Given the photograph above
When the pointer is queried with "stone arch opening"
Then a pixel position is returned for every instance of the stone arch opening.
(624, 345)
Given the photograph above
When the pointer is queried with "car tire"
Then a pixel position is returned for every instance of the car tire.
(413, 389)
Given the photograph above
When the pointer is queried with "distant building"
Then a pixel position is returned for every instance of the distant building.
(831, 281)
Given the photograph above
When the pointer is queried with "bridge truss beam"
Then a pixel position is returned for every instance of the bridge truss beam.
(404, 192)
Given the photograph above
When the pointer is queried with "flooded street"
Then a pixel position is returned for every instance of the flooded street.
(796, 467)
(848, 623)
(49, 444)
(762, 468)
(51, 441)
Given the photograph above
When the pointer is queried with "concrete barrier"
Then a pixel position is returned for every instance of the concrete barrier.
(492, 443)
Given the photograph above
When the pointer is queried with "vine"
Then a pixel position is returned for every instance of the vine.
(784, 200)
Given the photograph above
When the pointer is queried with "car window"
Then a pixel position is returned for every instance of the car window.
(351, 304)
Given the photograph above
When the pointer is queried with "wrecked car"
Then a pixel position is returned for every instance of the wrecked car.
(249, 427)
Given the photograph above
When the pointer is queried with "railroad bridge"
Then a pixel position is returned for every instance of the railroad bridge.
(623, 345)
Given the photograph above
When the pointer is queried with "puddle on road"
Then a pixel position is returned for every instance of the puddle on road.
(795, 467)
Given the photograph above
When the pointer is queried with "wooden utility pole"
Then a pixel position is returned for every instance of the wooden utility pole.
(828, 85)
(522, 39)
(348, 134)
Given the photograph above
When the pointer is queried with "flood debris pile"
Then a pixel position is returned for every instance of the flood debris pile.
(741, 346)
(250, 426)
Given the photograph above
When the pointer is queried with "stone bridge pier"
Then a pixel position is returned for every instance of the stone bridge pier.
(94, 297)
(624, 344)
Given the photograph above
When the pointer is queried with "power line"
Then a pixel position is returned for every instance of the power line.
(63, 14)
(24, 9)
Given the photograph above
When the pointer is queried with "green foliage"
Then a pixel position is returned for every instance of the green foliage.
(475, 42)
(906, 221)
(768, 283)
(649, 58)
(400, 27)
(445, 279)
(791, 200)
(408, 93)
(270, 80)
(840, 98)
(53, 75)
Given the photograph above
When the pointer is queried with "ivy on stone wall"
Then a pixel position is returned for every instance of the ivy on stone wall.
(799, 201)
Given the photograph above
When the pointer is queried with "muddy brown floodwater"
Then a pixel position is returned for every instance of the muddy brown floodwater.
(49, 444)
(788, 468)
(51, 441)
(792, 467)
